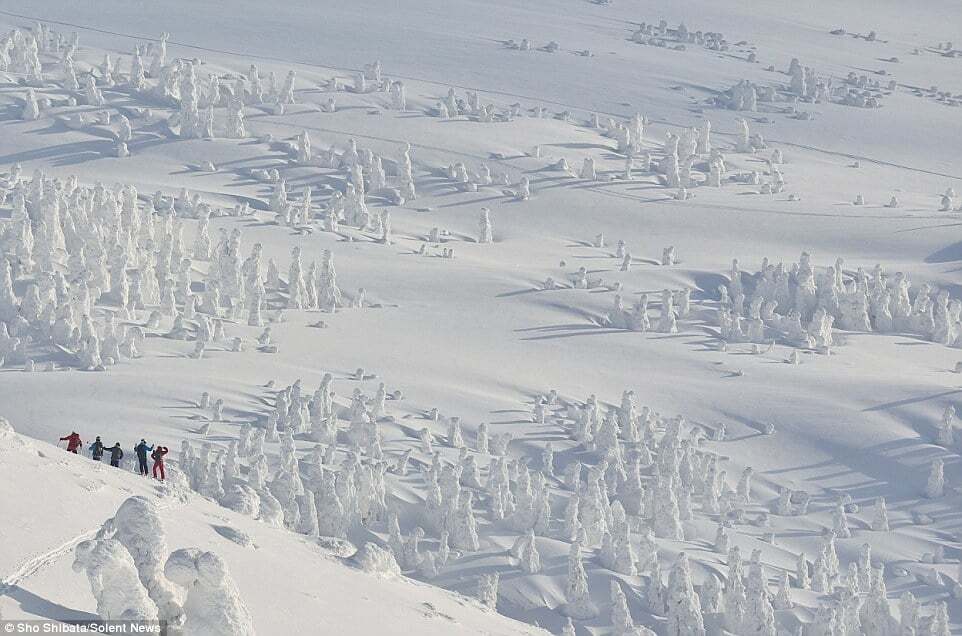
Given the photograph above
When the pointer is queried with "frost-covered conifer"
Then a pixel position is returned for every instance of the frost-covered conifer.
(213, 604)
(880, 522)
(684, 607)
(831, 555)
(667, 517)
(137, 71)
(721, 540)
(484, 227)
(876, 613)
(286, 95)
(488, 590)
(330, 511)
(398, 95)
(657, 591)
(304, 148)
(940, 621)
(588, 170)
(840, 522)
(578, 602)
(759, 619)
(802, 581)
(92, 94)
(936, 483)
(621, 622)
(530, 558)
(666, 322)
(820, 574)
(329, 295)
(946, 435)
(784, 504)
(783, 598)
(710, 595)
(908, 613)
(138, 528)
(236, 128)
(113, 580)
(735, 599)
(465, 534)
(31, 108)
(71, 83)
(455, 438)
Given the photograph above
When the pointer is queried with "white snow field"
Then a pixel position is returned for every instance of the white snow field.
(538, 382)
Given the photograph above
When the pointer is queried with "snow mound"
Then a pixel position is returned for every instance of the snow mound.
(9, 439)
(242, 499)
(341, 548)
(374, 559)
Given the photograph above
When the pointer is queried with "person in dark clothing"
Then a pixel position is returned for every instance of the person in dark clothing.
(158, 457)
(96, 450)
(73, 442)
(142, 449)
(116, 454)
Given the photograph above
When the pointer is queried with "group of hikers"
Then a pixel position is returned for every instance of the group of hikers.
(142, 450)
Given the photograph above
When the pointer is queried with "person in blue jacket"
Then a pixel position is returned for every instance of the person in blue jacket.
(142, 450)
(96, 450)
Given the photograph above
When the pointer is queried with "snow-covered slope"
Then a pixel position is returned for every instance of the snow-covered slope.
(291, 583)
(478, 336)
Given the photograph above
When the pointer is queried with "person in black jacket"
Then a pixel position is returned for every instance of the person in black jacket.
(142, 449)
(116, 454)
(96, 450)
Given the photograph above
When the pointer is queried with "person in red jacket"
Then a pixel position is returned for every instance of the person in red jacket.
(158, 457)
(73, 442)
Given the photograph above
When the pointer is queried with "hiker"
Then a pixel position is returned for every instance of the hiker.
(73, 442)
(116, 454)
(158, 457)
(96, 450)
(142, 449)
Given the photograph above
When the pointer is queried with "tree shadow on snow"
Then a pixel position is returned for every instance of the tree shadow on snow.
(30, 603)
(948, 254)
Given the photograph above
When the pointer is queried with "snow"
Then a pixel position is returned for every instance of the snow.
(38, 582)
(493, 302)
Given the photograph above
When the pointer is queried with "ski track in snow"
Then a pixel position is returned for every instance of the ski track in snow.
(35, 564)
(31, 566)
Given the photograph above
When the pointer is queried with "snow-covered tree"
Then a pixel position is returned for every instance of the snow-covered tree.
(137, 526)
(936, 483)
(31, 108)
(578, 603)
(621, 621)
(783, 598)
(488, 590)
(759, 618)
(113, 580)
(880, 522)
(213, 604)
(875, 613)
(684, 607)
(940, 620)
(946, 435)
(484, 227)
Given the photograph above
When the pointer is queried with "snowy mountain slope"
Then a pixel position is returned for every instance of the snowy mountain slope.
(321, 594)
(477, 337)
